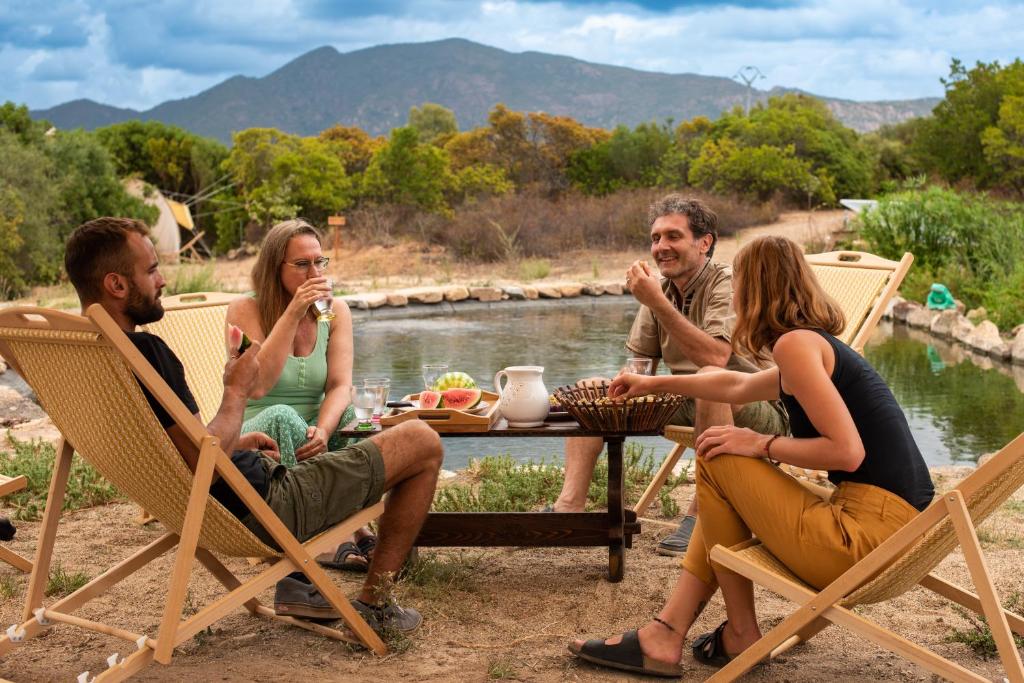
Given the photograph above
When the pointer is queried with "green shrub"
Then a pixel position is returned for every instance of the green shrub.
(34, 459)
(190, 279)
(971, 243)
(978, 635)
(534, 269)
(503, 484)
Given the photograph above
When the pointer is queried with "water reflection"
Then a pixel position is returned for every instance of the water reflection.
(959, 405)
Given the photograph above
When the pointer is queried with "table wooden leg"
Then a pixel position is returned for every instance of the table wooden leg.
(616, 552)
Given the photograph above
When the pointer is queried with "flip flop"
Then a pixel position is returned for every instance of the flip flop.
(625, 656)
(346, 557)
(366, 546)
(709, 649)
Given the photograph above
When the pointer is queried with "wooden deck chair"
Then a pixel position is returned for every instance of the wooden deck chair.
(900, 563)
(193, 326)
(10, 485)
(862, 284)
(84, 372)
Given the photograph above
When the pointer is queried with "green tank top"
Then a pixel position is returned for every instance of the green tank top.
(302, 381)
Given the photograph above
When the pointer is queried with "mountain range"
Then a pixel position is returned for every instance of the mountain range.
(374, 88)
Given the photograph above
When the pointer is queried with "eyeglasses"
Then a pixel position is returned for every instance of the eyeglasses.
(303, 265)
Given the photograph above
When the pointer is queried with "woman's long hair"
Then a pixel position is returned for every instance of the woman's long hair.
(775, 291)
(271, 296)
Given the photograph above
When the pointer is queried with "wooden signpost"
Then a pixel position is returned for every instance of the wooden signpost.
(336, 223)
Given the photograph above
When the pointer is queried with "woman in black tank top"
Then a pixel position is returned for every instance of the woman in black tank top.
(844, 420)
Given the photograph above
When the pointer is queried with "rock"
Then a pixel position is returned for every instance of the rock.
(942, 325)
(962, 329)
(396, 299)
(960, 306)
(976, 315)
(921, 317)
(985, 337)
(1018, 376)
(424, 295)
(515, 293)
(888, 313)
(1015, 331)
(3, 365)
(549, 292)
(1017, 347)
(614, 288)
(571, 290)
(902, 309)
(593, 289)
(485, 293)
(366, 301)
(531, 292)
(985, 458)
(456, 293)
(40, 428)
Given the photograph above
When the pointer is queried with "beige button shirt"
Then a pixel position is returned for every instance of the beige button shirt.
(707, 303)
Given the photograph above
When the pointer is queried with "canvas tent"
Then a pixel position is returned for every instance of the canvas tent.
(174, 217)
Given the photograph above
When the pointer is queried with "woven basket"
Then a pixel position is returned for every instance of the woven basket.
(641, 414)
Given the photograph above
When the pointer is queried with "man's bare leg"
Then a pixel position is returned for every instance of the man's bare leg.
(412, 459)
(581, 454)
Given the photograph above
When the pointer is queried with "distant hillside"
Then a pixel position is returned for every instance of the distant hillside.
(374, 89)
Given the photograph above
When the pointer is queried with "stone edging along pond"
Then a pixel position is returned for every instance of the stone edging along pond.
(982, 336)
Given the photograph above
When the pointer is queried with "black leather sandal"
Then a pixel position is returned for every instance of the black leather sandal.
(625, 656)
(709, 649)
(346, 557)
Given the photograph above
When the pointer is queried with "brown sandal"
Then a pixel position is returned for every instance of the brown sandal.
(346, 557)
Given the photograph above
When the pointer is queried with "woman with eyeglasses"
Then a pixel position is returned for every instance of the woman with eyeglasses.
(302, 395)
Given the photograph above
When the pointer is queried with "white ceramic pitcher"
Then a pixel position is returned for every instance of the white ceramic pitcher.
(524, 398)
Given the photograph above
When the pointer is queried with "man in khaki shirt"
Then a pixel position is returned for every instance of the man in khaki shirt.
(686, 321)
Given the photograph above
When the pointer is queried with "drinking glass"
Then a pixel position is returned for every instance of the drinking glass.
(362, 401)
(325, 306)
(431, 373)
(639, 366)
(381, 387)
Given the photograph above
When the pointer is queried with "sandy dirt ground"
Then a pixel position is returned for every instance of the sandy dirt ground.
(508, 615)
(501, 613)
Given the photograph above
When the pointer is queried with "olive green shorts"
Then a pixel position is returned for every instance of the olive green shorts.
(764, 417)
(322, 491)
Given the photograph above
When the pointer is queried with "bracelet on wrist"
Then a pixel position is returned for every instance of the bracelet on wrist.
(768, 445)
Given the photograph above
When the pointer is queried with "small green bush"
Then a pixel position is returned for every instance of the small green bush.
(534, 269)
(977, 635)
(62, 582)
(194, 279)
(34, 459)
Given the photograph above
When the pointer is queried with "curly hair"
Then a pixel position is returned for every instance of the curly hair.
(701, 219)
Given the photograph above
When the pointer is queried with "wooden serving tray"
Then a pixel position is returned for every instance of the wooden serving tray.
(447, 419)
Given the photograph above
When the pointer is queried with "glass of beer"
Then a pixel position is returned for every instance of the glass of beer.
(325, 306)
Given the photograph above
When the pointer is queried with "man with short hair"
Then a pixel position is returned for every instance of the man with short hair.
(686, 321)
(112, 262)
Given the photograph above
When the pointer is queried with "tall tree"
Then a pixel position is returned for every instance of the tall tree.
(434, 124)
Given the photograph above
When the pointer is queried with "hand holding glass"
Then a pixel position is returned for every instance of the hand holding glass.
(431, 373)
(639, 366)
(325, 306)
(362, 402)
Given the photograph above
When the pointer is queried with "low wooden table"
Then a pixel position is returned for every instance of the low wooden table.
(614, 528)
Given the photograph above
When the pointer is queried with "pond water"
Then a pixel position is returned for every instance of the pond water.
(959, 406)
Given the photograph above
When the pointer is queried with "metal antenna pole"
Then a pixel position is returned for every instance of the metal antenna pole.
(749, 74)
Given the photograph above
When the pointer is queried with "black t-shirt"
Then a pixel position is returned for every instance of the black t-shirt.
(892, 460)
(172, 371)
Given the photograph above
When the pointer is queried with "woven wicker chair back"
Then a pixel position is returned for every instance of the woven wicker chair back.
(193, 326)
(984, 491)
(855, 280)
(86, 387)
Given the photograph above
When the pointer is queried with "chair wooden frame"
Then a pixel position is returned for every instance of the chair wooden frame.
(26, 334)
(862, 284)
(900, 563)
(10, 485)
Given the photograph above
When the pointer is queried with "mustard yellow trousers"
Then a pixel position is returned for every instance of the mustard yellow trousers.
(817, 539)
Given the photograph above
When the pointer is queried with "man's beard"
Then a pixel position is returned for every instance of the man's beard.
(140, 310)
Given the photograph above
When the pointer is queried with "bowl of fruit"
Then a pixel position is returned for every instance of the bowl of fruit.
(594, 410)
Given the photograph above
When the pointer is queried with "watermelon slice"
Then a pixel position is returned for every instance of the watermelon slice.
(460, 399)
(430, 399)
(454, 380)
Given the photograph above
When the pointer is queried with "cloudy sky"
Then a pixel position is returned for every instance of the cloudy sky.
(137, 54)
